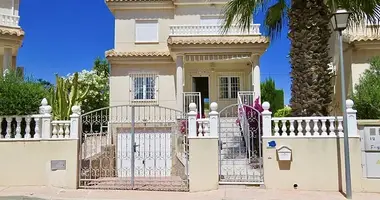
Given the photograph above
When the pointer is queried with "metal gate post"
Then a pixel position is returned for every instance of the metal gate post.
(133, 147)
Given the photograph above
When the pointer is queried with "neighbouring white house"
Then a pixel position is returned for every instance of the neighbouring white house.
(360, 44)
(11, 34)
(173, 52)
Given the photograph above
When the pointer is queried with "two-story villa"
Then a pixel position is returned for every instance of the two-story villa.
(11, 35)
(173, 52)
(360, 44)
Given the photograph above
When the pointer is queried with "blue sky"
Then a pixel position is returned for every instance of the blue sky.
(66, 36)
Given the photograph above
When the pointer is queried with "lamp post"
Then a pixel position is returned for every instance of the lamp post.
(339, 21)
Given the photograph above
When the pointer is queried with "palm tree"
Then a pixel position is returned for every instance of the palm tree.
(309, 34)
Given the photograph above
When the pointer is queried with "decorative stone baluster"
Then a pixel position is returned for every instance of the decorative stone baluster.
(307, 127)
(291, 128)
(18, 127)
(276, 128)
(67, 130)
(206, 130)
(55, 131)
(299, 127)
(324, 128)
(283, 128)
(315, 127)
(340, 128)
(37, 133)
(200, 128)
(60, 130)
(27, 127)
(9, 127)
(332, 128)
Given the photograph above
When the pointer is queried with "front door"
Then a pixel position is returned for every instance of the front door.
(201, 84)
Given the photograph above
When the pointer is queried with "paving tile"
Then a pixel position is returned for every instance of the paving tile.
(224, 193)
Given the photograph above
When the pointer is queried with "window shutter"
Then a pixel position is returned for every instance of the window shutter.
(146, 31)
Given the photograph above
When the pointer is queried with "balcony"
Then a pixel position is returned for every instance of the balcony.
(9, 20)
(212, 30)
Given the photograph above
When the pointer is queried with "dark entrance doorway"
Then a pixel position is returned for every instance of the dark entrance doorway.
(200, 84)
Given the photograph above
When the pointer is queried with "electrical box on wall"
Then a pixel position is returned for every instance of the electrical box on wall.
(371, 152)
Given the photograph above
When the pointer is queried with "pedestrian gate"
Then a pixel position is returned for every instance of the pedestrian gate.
(240, 145)
(134, 147)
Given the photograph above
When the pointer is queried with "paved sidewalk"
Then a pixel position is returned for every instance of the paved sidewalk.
(224, 193)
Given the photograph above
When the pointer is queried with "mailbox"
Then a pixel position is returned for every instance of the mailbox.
(284, 153)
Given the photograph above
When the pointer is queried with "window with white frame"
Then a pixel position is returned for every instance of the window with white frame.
(146, 31)
(144, 87)
(229, 87)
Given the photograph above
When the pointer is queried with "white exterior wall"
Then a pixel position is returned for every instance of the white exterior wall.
(120, 90)
(9, 7)
(182, 15)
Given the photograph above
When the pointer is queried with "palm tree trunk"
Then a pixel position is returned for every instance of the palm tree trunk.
(309, 34)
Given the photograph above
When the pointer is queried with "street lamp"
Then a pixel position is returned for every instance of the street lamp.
(339, 21)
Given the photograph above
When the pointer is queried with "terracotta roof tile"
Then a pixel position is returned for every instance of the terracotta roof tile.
(364, 38)
(217, 40)
(113, 53)
(11, 31)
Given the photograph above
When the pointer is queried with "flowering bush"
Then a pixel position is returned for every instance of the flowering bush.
(98, 93)
(254, 120)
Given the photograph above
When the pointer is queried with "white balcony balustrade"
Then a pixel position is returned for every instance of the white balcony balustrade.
(9, 20)
(212, 30)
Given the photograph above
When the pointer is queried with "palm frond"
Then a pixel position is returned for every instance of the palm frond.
(276, 18)
(363, 11)
(241, 13)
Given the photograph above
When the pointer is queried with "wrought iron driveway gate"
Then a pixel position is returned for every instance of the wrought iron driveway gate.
(134, 147)
(240, 145)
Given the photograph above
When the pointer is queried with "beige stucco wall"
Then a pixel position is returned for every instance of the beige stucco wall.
(181, 15)
(317, 164)
(203, 167)
(27, 163)
(120, 83)
(6, 7)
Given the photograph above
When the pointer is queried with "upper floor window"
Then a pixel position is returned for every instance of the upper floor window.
(144, 86)
(146, 31)
(229, 87)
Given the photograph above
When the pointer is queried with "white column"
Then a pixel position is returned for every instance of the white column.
(192, 120)
(267, 119)
(13, 7)
(7, 59)
(45, 113)
(214, 120)
(352, 124)
(74, 122)
(256, 76)
(179, 81)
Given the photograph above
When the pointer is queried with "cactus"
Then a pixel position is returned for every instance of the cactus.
(64, 96)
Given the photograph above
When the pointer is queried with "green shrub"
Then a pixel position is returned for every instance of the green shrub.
(283, 112)
(367, 92)
(19, 96)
